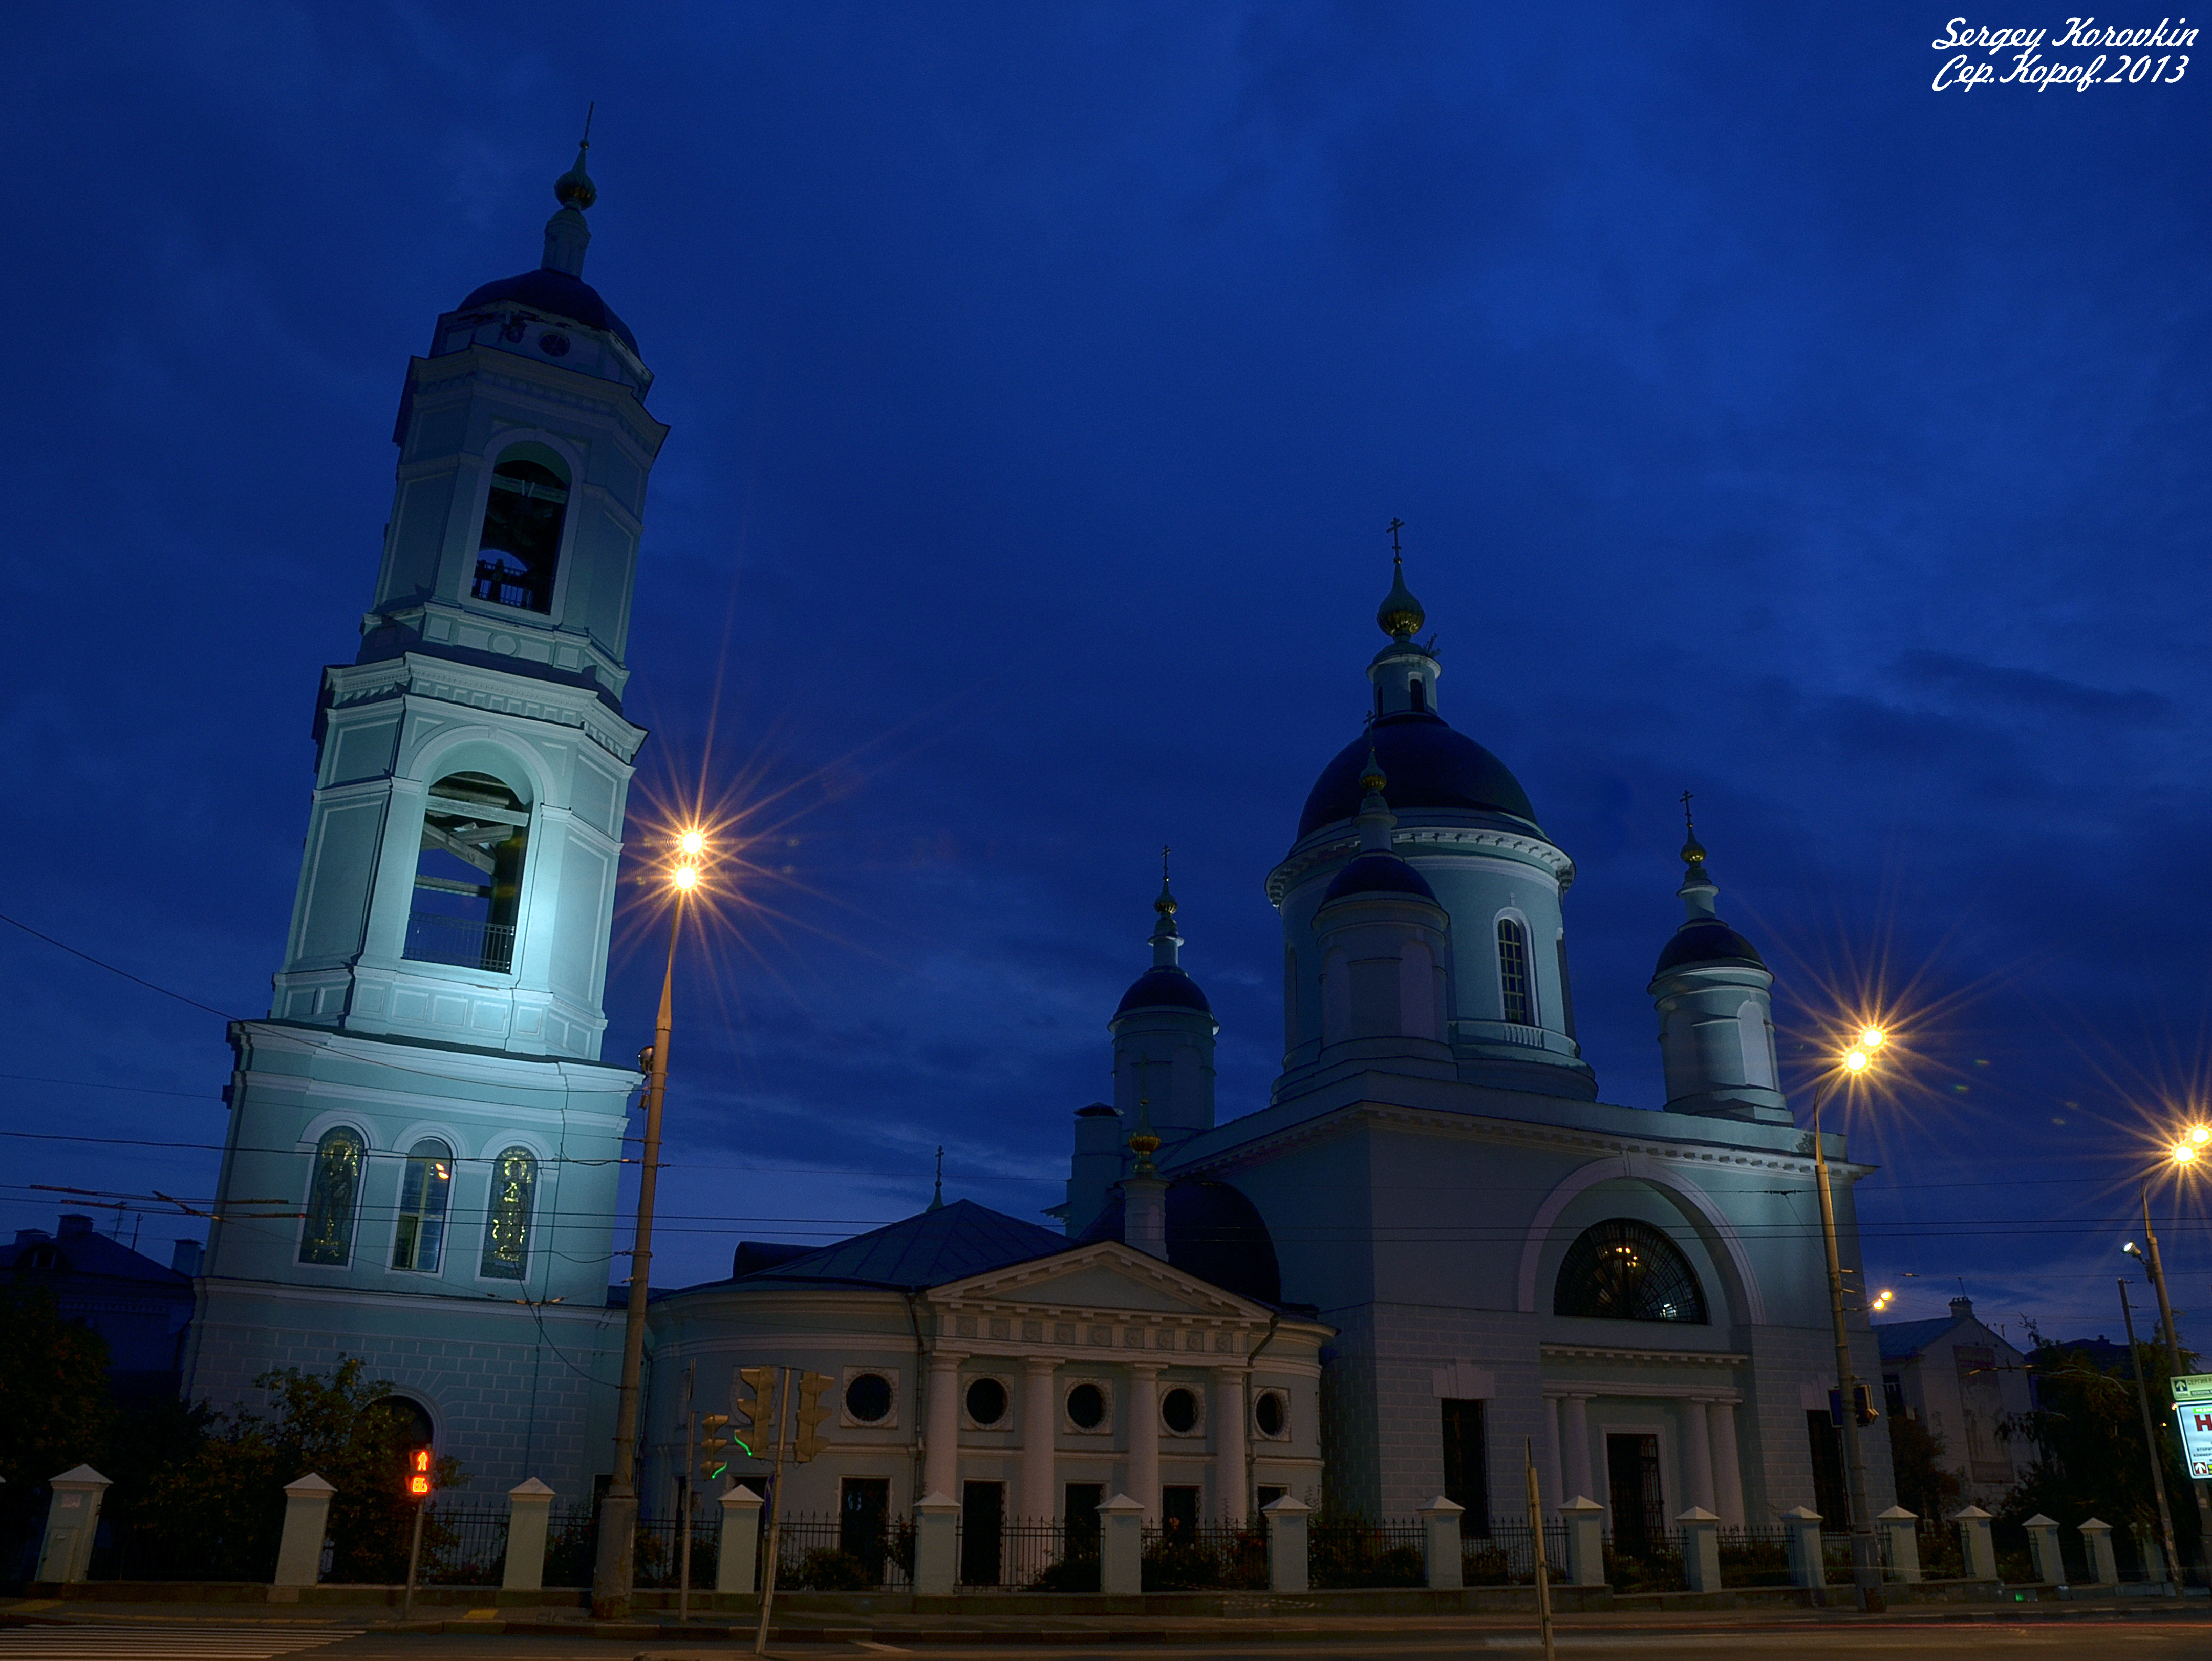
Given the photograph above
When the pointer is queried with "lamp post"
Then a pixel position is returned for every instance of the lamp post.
(1866, 1550)
(611, 1573)
(2189, 1152)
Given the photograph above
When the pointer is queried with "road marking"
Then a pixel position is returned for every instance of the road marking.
(881, 1649)
(185, 1641)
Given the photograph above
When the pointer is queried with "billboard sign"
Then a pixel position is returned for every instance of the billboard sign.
(2192, 1410)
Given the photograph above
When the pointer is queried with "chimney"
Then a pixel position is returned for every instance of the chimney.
(184, 1257)
(1962, 1309)
(74, 1222)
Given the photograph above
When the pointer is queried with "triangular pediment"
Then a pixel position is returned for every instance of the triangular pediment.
(1106, 1276)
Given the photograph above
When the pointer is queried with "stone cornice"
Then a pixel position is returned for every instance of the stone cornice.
(1414, 839)
(1471, 1127)
(1614, 1355)
(451, 372)
(441, 680)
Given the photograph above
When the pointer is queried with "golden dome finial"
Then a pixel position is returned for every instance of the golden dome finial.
(1694, 851)
(1372, 778)
(575, 189)
(1165, 905)
(1400, 616)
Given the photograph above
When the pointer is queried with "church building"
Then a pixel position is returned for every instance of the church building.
(1432, 1244)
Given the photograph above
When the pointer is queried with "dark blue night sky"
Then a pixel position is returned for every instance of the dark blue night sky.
(1765, 424)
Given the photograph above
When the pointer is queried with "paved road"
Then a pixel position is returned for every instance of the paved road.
(2135, 1638)
(192, 1641)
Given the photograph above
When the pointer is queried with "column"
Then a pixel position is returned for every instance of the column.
(1697, 1457)
(1574, 1421)
(941, 1462)
(1040, 1430)
(1555, 1470)
(1728, 1463)
(529, 1508)
(1232, 1482)
(1145, 1437)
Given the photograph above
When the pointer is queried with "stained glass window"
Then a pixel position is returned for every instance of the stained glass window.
(423, 1192)
(507, 1225)
(332, 1198)
(1624, 1270)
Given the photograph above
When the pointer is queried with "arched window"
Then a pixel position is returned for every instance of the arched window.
(468, 877)
(1515, 992)
(1758, 1050)
(521, 539)
(1624, 1270)
(1420, 695)
(423, 1191)
(507, 1225)
(333, 1197)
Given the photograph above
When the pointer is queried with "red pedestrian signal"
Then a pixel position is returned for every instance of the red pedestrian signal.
(418, 1473)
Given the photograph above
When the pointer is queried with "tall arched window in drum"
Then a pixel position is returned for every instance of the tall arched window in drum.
(1622, 1269)
(1514, 990)
(423, 1189)
(507, 1225)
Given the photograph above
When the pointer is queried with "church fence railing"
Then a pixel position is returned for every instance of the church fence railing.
(1754, 1556)
(462, 1545)
(659, 1541)
(827, 1551)
(1652, 1561)
(1353, 1551)
(1506, 1557)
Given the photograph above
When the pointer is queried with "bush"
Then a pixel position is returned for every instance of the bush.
(827, 1569)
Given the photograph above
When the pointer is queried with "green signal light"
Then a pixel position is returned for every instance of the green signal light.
(746, 1445)
(717, 1471)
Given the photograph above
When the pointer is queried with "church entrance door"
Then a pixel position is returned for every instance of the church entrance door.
(982, 1523)
(1639, 1513)
(864, 1507)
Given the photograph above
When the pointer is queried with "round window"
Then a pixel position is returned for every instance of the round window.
(1086, 1406)
(868, 1399)
(1179, 1409)
(987, 1401)
(1267, 1412)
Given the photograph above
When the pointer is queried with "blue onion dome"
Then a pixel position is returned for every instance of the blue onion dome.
(555, 292)
(1431, 766)
(1214, 1232)
(1163, 989)
(1707, 941)
(1381, 874)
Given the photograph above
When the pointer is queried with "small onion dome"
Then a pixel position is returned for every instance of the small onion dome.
(575, 189)
(1380, 874)
(1160, 988)
(1400, 615)
(1707, 941)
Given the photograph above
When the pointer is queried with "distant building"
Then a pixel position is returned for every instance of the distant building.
(1962, 1381)
(141, 1310)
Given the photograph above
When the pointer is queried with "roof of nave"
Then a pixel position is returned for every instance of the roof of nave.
(946, 1243)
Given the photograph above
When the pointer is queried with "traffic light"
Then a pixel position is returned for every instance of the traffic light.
(712, 1460)
(419, 1472)
(812, 1412)
(761, 1413)
(1862, 1407)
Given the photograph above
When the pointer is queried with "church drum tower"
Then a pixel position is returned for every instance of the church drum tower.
(427, 1090)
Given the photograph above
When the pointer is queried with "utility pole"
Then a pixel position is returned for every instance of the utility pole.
(1866, 1550)
(2157, 1267)
(2150, 1438)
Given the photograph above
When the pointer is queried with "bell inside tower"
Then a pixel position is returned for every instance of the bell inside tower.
(468, 877)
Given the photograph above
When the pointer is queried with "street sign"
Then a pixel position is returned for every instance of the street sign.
(2192, 1410)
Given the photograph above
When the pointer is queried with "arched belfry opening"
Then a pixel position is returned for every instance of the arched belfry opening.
(518, 550)
(468, 876)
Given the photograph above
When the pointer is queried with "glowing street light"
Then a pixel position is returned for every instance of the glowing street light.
(1871, 1039)
(611, 1575)
(1856, 1061)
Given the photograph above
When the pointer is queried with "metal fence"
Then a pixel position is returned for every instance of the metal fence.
(1755, 1555)
(829, 1551)
(462, 1545)
(1506, 1557)
(1650, 1563)
(1205, 1557)
(1351, 1551)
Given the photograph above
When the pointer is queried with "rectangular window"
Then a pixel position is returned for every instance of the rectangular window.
(983, 1525)
(1831, 1497)
(1467, 1467)
(1513, 973)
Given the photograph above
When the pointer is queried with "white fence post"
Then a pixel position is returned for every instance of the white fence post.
(936, 1533)
(1286, 1543)
(1903, 1528)
(529, 1508)
(1440, 1544)
(1585, 1522)
(1701, 1548)
(72, 1518)
(1122, 1547)
(1806, 1569)
(307, 1520)
(2043, 1549)
(1975, 1544)
(739, 1555)
(2104, 1567)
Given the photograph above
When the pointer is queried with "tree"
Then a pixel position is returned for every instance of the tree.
(1924, 1487)
(2086, 1430)
(226, 1497)
(55, 1413)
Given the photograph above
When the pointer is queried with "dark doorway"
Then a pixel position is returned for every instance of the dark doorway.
(1078, 1535)
(1639, 1511)
(1831, 1497)
(1267, 1496)
(1179, 1513)
(982, 1520)
(1467, 1467)
(863, 1506)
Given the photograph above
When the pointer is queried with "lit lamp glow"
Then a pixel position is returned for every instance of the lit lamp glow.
(2200, 1134)
(1872, 1039)
(693, 842)
(1856, 1061)
(2186, 1152)
(686, 878)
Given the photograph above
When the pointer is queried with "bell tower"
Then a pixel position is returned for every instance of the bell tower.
(425, 1104)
